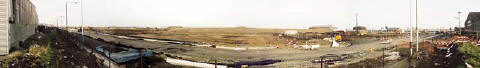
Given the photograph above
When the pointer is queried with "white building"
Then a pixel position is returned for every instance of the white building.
(291, 32)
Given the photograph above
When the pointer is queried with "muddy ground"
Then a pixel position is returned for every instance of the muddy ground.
(61, 51)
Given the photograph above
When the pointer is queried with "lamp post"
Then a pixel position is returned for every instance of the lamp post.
(416, 24)
(411, 33)
(59, 20)
(356, 19)
(66, 14)
(81, 12)
(459, 24)
(411, 28)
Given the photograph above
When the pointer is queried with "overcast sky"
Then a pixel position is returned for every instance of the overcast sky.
(373, 14)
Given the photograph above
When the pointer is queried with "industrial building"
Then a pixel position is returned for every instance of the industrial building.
(18, 21)
(472, 23)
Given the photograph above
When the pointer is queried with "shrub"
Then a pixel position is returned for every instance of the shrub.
(470, 53)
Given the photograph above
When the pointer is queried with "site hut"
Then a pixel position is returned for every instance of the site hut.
(472, 23)
(291, 32)
(18, 21)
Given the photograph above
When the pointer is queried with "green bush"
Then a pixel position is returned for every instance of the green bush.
(46, 56)
(470, 53)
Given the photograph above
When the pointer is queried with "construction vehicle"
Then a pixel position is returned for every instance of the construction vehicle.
(338, 38)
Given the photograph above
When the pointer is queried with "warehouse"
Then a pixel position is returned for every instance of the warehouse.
(18, 21)
(472, 23)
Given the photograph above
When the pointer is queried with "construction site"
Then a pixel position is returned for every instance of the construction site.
(26, 43)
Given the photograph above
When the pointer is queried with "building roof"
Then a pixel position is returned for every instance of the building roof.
(473, 16)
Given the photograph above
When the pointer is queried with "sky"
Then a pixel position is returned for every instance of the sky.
(301, 14)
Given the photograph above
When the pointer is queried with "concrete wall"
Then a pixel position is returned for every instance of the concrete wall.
(19, 32)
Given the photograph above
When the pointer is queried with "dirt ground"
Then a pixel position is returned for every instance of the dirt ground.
(58, 50)
(228, 56)
(60, 53)
(156, 61)
(232, 36)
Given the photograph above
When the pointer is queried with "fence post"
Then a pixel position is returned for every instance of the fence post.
(141, 58)
(109, 55)
(215, 63)
(321, 62)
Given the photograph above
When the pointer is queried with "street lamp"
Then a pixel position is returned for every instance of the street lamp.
(411, 28)
(66, 13)
(59, 20)
(459, 24)
(81, 12)
(416, 23)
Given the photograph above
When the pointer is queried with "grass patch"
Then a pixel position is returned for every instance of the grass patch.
(12, 58)
(35, 56)
(42, 54)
